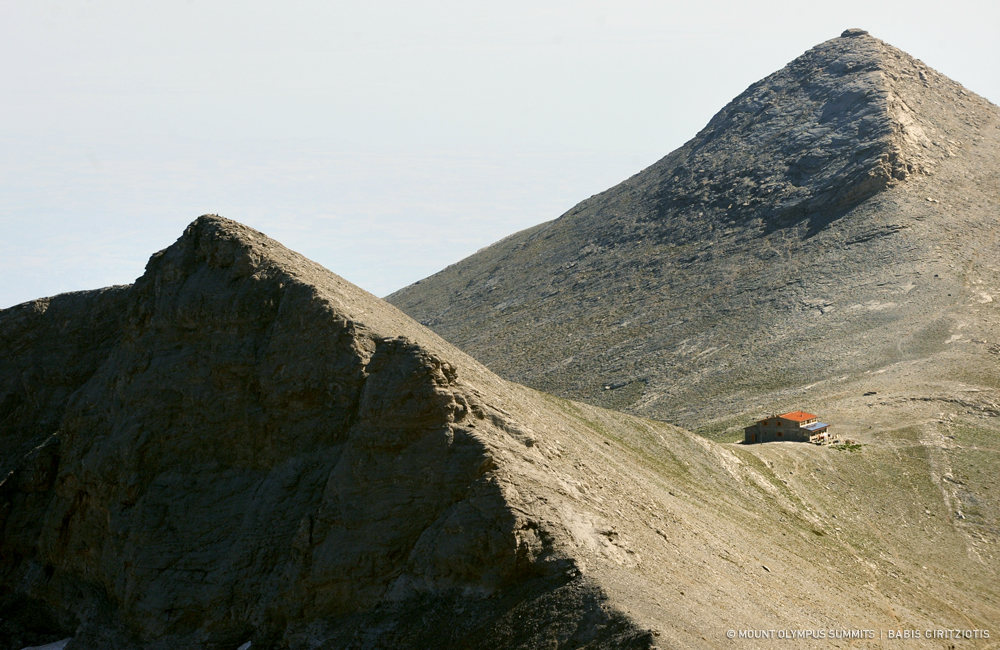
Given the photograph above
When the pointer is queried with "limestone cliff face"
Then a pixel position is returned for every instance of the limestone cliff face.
(239, 444)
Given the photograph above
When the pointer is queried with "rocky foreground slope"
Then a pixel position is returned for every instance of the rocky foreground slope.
(838, 217)
(243, 447)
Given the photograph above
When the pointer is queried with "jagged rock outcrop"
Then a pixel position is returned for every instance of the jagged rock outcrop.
(240, 442)
(835, 217)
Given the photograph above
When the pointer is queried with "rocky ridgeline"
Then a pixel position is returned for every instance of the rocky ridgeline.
(811, 230)
(243, 448)
(241, 444)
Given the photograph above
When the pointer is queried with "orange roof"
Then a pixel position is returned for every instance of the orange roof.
(798, 416)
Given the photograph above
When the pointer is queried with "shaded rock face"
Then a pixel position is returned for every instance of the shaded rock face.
(813, 229)
(224, 452)
(49, 352)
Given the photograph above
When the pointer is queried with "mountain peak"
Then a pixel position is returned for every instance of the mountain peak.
(829, 130)
(807, 191)
(844, 121)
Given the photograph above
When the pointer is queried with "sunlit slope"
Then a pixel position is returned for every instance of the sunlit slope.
(693, 538)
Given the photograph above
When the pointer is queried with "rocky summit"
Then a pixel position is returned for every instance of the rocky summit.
(242, 447)
(830, 232)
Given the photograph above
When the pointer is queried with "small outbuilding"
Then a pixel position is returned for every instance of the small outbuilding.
(794, 426)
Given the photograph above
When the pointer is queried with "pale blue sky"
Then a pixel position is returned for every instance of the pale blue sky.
(385, 140)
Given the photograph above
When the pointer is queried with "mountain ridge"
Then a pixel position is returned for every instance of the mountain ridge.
(242, 446)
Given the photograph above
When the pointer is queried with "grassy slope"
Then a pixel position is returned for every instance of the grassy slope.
(678, 530)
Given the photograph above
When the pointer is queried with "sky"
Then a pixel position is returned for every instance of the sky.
(385, 140)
